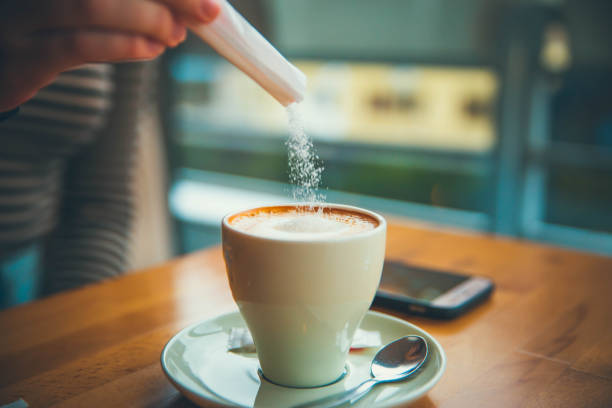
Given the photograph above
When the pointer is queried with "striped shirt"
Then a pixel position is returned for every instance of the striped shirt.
(66, 164)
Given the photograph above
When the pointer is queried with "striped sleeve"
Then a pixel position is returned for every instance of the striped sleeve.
(35, 145)
(91, 241)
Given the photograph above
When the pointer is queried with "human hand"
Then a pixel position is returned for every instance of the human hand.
(41, 38)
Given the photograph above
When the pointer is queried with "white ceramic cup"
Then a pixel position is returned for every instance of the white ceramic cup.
(303, 299)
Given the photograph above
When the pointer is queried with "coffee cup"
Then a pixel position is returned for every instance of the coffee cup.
(303, 278)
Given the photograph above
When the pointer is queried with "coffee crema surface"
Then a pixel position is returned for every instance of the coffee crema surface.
(291, 222)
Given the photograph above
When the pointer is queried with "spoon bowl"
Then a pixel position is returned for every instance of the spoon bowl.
(394, 362)
(399, 359)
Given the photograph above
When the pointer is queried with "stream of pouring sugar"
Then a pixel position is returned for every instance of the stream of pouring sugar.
(305, 167)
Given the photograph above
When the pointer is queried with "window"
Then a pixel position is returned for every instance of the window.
(412, 114)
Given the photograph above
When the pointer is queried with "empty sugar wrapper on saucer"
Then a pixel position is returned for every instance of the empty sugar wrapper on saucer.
(241, 341)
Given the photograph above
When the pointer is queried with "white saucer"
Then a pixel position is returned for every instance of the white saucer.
(197, 362)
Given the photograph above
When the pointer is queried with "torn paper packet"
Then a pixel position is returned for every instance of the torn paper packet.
(240, 340)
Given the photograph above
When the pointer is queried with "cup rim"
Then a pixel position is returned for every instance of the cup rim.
(382, 224)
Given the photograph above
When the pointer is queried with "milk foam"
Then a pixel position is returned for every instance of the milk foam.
(292, 224)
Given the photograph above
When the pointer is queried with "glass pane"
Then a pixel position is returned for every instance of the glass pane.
(582, 108)
(580, 198)
(355, 102)
(376, 126)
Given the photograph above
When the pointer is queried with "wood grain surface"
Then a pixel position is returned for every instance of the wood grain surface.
(544, 339)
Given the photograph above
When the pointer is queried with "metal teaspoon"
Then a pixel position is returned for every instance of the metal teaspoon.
(394, 362)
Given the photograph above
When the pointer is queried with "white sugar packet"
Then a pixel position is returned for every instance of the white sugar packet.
(234, 38)
(241, 341)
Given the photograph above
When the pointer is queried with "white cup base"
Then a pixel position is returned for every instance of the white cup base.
(263, 377)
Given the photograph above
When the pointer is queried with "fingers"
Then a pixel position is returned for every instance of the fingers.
(69, 49)
(195, 11)
(29, 68)
(142, 17)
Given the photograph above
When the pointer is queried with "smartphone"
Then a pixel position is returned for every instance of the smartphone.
(429, 292)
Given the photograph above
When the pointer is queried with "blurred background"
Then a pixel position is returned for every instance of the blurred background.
(494, 116)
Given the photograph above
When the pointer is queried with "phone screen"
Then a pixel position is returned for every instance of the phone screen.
(423, 284)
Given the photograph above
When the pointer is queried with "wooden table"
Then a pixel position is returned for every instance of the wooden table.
(543, 340)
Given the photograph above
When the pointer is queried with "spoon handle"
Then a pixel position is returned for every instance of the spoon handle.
(346, 397)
